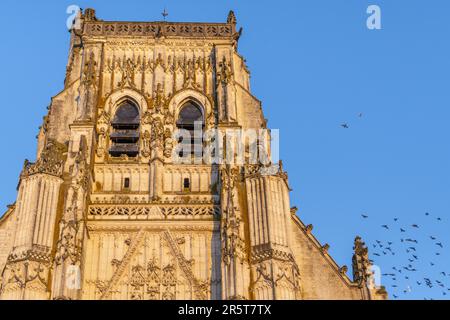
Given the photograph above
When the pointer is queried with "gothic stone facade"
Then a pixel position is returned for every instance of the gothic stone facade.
(88, 224)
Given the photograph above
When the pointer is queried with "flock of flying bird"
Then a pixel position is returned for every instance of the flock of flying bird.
(409, 270)
(408, 247)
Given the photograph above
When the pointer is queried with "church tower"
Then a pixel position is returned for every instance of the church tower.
(123, 201)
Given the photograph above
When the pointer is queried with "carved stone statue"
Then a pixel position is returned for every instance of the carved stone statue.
(224, 73)
(146, 144)
(168, 143)
(159, 101)
(157, 134)
(101, 147)
(128, 70)
(90, 72)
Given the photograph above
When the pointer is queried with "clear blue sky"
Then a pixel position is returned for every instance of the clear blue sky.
(314, 65)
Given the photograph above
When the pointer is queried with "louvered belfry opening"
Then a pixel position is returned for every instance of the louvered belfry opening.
(190, 115)
(125, 135)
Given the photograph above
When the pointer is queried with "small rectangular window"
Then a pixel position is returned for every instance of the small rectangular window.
(187, 185)
(126, 183)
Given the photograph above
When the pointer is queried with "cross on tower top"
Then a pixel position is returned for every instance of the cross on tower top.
(165, 14)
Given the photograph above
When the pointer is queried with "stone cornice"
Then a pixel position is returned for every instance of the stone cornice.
(151, 226)
(159, 29)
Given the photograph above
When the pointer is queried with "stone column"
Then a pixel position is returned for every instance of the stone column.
(26, 274)
(157, 159)
(275, 272)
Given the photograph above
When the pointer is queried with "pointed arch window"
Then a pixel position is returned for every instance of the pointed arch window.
(125, 135)
(190, 119)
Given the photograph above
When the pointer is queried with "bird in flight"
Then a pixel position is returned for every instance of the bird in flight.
(415, 226)
(385, 226)
(388, 274)
(433, 238)
(364, 216)
(440, 245)
(402, 230)
(345, 126)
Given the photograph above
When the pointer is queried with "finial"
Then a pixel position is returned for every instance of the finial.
(165, 14)
(361, 262)
(89, 14)
(231, 18)
(360, 247)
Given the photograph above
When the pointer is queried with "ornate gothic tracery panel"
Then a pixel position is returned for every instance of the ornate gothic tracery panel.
(143, 265)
